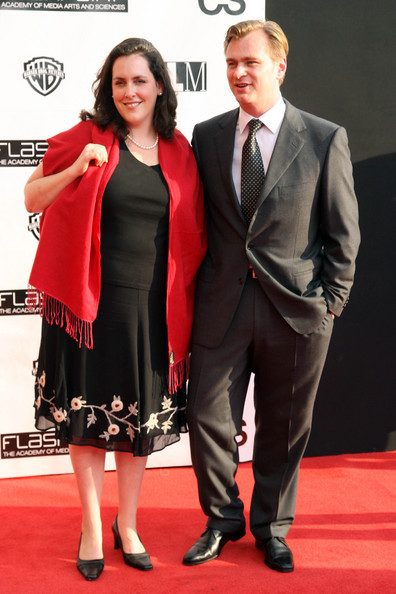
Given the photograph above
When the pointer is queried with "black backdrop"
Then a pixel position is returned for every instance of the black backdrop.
(341, 67)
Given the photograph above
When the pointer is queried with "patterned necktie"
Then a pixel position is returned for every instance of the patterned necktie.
(252, 172)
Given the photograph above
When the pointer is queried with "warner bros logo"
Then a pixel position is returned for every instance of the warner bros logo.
(43, 74)
(34, 224)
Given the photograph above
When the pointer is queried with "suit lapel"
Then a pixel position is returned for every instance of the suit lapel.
(224, 140)
(289, 143)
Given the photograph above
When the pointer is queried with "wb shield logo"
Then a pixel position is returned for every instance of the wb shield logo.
(34, 224)
(43, 74)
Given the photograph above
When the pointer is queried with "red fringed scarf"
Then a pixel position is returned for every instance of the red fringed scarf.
(66, 269)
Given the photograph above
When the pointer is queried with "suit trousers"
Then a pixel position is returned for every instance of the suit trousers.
(287, 367)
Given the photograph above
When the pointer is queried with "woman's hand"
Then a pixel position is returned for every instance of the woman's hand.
(91, 152)
(41, 191)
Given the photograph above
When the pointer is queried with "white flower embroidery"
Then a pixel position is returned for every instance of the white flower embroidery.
(131, 432)
(42, 379)
(133, 409)
(116, 423)
(152, 422)
(117, 403)
(113, 429)
(166, 403)
(91, 419)
(77, 403)
(166, 425)
(59, 416)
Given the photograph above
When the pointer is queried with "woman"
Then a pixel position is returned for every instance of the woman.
(121, 239)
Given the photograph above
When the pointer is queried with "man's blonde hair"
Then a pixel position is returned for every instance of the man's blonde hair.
(279, 46)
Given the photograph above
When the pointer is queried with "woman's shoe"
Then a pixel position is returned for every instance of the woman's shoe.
(91, 569)
(138, 560)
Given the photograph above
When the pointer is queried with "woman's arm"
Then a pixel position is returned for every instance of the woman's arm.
(41, 191)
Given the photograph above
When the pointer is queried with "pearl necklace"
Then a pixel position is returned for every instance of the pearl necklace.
(146, 148)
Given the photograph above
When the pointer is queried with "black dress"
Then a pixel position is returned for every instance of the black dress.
(115, 396)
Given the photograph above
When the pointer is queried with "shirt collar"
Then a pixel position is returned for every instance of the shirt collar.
(272, 118)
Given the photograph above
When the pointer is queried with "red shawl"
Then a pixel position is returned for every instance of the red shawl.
(66, 269)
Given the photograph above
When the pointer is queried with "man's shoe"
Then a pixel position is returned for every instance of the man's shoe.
(277, 554)
(209, 546)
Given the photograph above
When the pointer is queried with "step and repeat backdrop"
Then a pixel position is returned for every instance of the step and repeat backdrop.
(51, 52)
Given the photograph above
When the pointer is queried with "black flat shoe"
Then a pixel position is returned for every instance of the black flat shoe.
(209, 546)
(91, 569)
(277, 554)
(138, 560)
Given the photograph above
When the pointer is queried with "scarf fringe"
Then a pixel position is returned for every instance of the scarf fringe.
(58, 313)
(178, 374)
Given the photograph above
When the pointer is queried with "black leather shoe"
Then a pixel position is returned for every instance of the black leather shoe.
(209, 546)
(91, 569)
(136, 560)
(277, 554)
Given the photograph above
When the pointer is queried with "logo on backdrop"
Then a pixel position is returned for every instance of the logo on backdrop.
(31, 445)
(43, 74)
(17, 302)
(188, 76)
(213, 7)
(242, 438)
(67, 6)
(34, 224)
(22, 153)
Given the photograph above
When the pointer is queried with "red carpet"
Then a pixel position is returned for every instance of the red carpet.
(343, 539)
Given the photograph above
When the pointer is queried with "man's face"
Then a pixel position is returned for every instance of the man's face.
(252, 74)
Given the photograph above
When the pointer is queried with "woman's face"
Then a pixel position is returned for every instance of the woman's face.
(134, 90)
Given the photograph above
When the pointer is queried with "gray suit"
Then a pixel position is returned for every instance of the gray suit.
(301, 244)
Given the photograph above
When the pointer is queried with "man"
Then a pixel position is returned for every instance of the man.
(272, 281)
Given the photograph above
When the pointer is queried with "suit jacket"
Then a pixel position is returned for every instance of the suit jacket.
(303, 239)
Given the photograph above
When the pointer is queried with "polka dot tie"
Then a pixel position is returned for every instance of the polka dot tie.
(252, 172)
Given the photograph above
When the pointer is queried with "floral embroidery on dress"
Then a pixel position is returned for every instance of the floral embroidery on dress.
(116, 423)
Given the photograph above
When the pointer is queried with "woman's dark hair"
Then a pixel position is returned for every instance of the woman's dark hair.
(104, 112)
